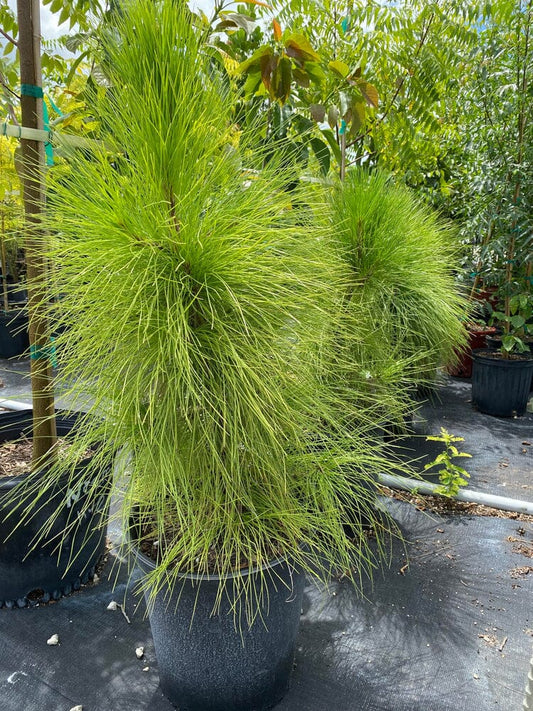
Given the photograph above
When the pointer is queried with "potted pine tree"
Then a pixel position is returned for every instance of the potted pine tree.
(404, 310)
(198, 310)
(502, 376)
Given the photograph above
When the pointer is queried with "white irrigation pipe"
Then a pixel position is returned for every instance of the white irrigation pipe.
(15, 405)
(472, 497)
(397, 482)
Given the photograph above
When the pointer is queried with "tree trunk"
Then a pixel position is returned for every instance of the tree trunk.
(44, 430)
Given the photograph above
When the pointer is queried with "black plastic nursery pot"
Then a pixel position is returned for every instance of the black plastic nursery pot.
(500, 386)
(29, 575)
(206, 663)
(14, 339)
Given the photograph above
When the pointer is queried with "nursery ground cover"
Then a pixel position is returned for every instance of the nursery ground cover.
(448, 625)
(501, 448)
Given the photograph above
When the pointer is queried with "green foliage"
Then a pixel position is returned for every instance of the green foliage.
(402, 305)
(451, 476)
(10, 217)
(491, 153)
(198, 309)
(413, 53)
(516, 323)
(76, 12)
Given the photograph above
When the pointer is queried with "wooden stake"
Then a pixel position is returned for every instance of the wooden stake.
(29, 45)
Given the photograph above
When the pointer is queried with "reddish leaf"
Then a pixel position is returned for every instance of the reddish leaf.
(277, 30)
(255, 59)
(333, 116)
(301, 76)
(318, 112)
(298, 46)
(268, 64)
(281, 80)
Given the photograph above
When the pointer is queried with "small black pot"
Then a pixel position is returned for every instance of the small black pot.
(215, 662)
(42, 574)
(500, 386)
(14, 340)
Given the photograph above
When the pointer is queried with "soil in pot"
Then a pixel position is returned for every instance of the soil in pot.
(214, 661)
(501, 386)
(477, 334)
(28, 574)
(14, 339)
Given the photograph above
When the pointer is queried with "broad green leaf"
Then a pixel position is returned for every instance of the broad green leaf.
(298, 46)
(369, 92)
(74, 42)
(517, 321)
(339, 68)
(251, 85)
(358, 116)
(315, 72)
(330, 138)
(255, 58)
(509, 342)
(74, 67)
(302, 124)
(239, 20)
(100, 77)
(345, 101)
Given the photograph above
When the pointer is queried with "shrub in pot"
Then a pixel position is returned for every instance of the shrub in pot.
(479, 335)
(68, 523)
(198, 310)
(502, 377)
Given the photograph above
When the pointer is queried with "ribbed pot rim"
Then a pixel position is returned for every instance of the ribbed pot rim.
(12, 314)
(207, 577)
(9, 482)
(482, 330)
(484, 355)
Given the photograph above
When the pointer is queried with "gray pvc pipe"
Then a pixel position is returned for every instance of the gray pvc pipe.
(15, 405)
(472, 497)
(397, 482)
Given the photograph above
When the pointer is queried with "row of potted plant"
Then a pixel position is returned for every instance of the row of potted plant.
(238, 345)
